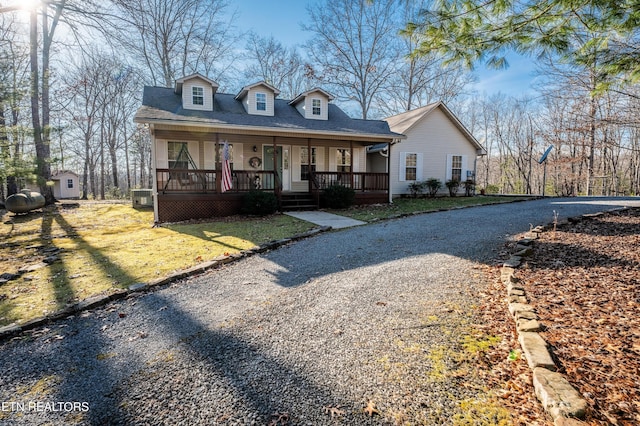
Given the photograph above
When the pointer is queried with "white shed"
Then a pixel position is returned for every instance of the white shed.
(66, 184)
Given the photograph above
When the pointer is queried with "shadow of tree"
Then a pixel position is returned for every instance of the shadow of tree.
(214, 377)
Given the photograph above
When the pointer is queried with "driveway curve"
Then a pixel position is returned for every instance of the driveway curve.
(358, 326)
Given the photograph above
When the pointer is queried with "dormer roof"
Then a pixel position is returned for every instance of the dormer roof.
(303, 95)
(243, 92)
(180, 82)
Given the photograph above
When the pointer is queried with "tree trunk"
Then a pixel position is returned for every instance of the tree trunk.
(43, 169)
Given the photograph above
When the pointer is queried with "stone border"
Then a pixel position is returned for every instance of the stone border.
(559, 399)
(102, 299)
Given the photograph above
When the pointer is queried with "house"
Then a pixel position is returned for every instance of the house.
(437, 145)
(66, 185)
(293, 148)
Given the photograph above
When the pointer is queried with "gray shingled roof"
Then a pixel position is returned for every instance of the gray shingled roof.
(161, 104)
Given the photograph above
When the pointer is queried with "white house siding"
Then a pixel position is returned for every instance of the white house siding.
(187, 94)
(437, 138)
(250, 101)
(306, 108)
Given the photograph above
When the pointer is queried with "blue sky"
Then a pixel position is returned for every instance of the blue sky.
(282, 18)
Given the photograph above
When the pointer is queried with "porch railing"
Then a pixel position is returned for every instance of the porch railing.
(205, 181)
(192, 180)
(359, 181)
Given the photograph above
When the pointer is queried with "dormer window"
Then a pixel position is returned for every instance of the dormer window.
(197, 93)
(316, 107)
(261, 101)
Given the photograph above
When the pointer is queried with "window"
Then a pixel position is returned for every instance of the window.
(307, 165)
(456, 167)
(261, 101)
(316, 106)
(70, 183)
(411, 166)
(198, 95)
(343, 161)
(176, 159)
(220, 149)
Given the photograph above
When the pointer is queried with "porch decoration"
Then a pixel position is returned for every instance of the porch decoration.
(255, 162)
(227, 182)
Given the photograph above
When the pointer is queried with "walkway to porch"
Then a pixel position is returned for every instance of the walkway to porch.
(326, 219)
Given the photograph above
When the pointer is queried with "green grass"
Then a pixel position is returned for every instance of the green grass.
(107, 247)
(410, 205)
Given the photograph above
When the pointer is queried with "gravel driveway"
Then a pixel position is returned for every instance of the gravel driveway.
(359, 326)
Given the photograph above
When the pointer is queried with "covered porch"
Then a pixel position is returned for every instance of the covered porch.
(295, 169)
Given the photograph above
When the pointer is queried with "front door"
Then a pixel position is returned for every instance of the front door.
(268, 162)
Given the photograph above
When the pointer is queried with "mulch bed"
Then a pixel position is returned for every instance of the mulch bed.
(584, 282)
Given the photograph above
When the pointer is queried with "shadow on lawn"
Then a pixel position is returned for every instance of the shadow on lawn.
(63, 289)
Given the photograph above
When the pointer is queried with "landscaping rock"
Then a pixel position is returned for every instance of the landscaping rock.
(557, 395)
(513, 262)
(7, 276)
(535, 350)
(31, 268)
(51, 259)
(516, 308)
(528, 325)
(526, 315)
(566, 421)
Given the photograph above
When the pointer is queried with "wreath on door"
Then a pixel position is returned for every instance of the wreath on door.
(255, 162)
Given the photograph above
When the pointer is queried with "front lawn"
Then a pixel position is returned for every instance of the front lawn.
(402, 206)
(97, 248)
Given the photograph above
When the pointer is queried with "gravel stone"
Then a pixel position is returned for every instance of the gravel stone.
(309, 334)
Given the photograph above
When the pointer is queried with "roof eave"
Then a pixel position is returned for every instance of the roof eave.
(389, 137)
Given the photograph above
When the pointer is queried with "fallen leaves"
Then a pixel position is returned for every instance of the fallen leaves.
(585, 285)
(334, 412)
(371, 409)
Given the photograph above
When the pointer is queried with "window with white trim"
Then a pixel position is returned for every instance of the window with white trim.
(411, 166)
(316, 107)
(261, 101)
(197, 94)
(343, 160)
(307, 163)
(70, 183)
(173, 155)
(456, 167)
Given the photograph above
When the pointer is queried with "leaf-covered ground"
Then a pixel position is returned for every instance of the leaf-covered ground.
(584, 281)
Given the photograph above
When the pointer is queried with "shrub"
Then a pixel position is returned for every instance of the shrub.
(416, 188)
(338, 197)
(492, 189)
(469, 187)
(453, 185)
(433, 186)
(259, 203)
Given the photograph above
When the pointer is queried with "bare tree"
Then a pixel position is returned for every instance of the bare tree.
(420, 79)
(177, 37)
(14, 83)
(354, 47)
(279, 66)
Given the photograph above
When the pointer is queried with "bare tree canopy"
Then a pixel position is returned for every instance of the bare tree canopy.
(176, 38)
(279, 66)
(354, 47)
